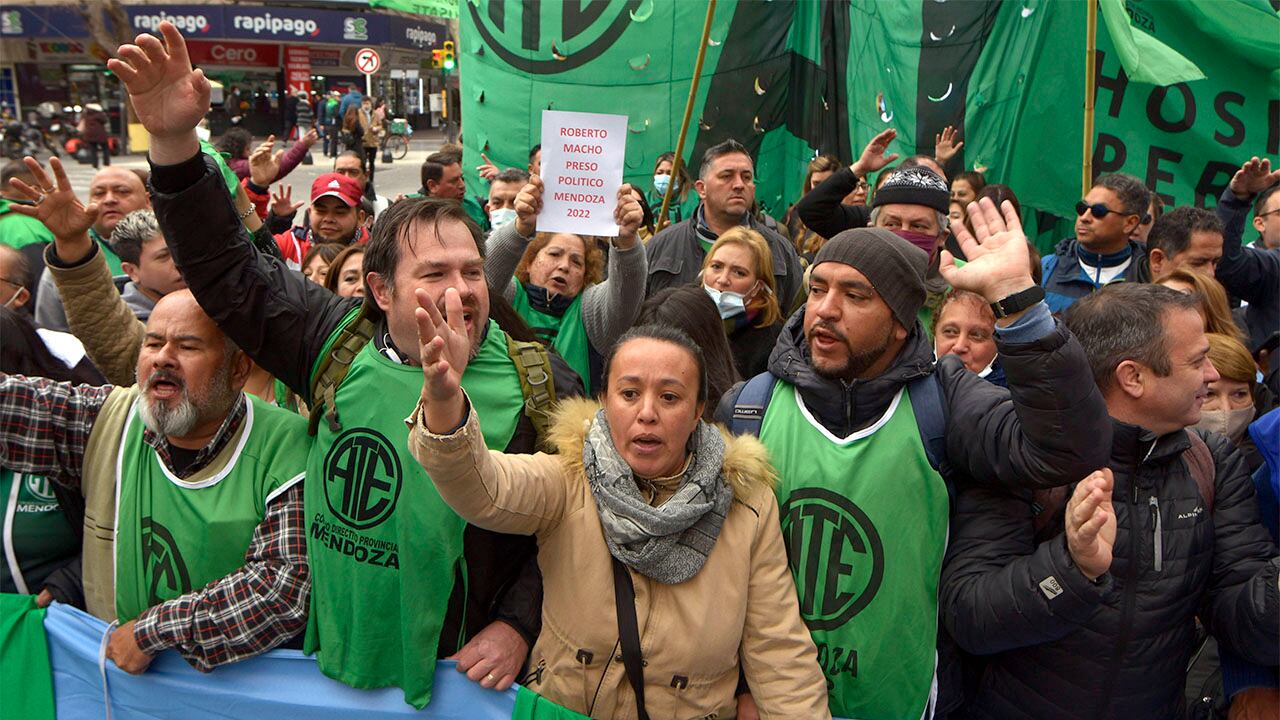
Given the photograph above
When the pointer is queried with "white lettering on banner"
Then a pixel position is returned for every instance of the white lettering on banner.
(184, 23)
(233, 56)
(268, 24)
(570, 168)
(419, 36)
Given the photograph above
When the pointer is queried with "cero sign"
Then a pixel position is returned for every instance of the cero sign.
(209, 52)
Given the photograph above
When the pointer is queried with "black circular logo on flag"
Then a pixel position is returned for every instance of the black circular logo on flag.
(167, 575)
(835, 553)
(537, 42)
(362, 478)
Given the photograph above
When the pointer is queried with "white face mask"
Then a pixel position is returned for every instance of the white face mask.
(661, 183)
(13, 297)
(501, 217)
(1231, 423)
(729, 303)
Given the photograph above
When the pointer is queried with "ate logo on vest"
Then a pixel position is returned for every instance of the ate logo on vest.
(362, 478)
(166, 570)
(835, 553)
(40, 488)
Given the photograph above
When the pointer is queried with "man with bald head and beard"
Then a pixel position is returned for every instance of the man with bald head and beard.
(161, 463)
(117, 192)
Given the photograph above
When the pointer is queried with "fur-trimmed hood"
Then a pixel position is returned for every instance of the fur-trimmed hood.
(746, 461)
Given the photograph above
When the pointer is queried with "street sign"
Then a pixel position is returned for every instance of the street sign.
(368, 61)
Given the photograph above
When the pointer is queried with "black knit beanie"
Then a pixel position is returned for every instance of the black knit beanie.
(914, 186)
(895, 267)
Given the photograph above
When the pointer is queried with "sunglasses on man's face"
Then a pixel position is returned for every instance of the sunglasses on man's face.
(1099, 210)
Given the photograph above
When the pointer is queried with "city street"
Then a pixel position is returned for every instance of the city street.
(401, 176)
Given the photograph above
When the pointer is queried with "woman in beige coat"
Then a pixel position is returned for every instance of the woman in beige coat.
(681, 508)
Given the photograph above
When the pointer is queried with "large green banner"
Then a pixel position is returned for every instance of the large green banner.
(793, 78)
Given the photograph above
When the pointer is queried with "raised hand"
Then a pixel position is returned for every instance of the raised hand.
(945, 146)
(873, 155)
(1253, 177)
(169, 97)
(58, 208)
(999, 264)
(1091, 524)
(264, 165)
(528, 205)
(310, 137)
(444, 349)
(282, 203)
(628, 215)
(488, 170)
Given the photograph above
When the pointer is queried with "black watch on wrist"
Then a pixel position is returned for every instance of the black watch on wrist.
(1017, 302)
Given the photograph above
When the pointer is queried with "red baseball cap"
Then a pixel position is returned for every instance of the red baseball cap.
(336, 185)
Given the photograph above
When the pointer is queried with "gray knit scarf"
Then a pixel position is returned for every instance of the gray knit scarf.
(669, 543)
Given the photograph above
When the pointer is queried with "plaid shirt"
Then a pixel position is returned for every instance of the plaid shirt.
(44, 430)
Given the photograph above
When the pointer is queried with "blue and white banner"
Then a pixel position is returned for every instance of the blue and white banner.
(281, 685)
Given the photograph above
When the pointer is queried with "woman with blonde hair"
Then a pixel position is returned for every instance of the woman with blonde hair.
(1230, 405)
(738, 275)
(1213, 300)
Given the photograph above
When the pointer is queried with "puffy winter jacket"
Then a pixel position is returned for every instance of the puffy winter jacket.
(1060, 646)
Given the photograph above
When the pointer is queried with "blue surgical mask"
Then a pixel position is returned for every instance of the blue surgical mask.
(661, 183)
(501, 217)
(729, 303)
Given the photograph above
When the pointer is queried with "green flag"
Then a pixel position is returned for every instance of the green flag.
(438, 8)
(26, 685)
(1145, 58)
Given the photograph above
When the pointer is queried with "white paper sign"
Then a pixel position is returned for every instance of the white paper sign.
(582, 155)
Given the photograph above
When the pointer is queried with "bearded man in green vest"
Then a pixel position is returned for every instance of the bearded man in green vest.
(398, 578)
(193, 536)
(870, 436)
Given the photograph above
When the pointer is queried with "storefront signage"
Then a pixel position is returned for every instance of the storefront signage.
(324, 57)
(191, 20)
(305, 25)
(238, 54)
(411, 33)
(42, 22)
(297, 69)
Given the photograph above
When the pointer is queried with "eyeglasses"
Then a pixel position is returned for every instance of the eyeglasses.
(1100, 210)
(1271, 212)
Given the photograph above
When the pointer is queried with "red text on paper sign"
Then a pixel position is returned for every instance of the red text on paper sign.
(572, 181)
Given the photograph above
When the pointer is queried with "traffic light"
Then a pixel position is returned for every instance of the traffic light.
(437, 60)
(446, 55)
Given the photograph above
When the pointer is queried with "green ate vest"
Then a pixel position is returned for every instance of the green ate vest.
(38, 538)
(177, 535)
(865, 523)
(566, 333)
(383, 545)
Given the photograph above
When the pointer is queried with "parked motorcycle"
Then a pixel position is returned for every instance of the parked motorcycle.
(21, 140)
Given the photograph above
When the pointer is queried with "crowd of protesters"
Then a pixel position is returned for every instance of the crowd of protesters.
(877, 460)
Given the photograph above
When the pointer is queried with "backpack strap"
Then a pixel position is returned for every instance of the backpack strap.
(533, 365)
(334, 366)
(930, 408)
(1199, 461)
(624, 598)
(752, 401)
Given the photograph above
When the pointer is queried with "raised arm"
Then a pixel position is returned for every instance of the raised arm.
(1052, 426)
(275, 315)
(822, 209)
(1247, 273)
(610, 307)
(518, 494)
(503, 250)
(96, 313)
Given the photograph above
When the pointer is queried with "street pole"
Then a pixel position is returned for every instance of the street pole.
(688, 113)
(1091, 45)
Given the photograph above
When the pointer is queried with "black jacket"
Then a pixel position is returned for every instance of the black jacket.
(282, 321)
(1048, 428)
(751, 347)
(823, 211)
(1059, 646)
